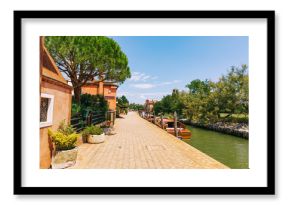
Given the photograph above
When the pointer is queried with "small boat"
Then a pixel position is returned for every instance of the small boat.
(182, 131)
(150, 118)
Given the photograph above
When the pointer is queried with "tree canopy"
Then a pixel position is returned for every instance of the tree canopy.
(82, 58)
(199, 87)
(169, 104)
(207, 100)
(123, 101)
(123, 104)
(135, 106)
(234, 91)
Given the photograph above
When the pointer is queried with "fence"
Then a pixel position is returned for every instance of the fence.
(79, 122)
(95, 118)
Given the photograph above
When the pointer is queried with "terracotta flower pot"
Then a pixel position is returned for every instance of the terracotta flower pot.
(95, 139)
(64, 158)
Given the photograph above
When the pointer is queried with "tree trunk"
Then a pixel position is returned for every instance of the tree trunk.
(77, 94)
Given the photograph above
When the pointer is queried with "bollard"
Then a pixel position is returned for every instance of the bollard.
(175, 124)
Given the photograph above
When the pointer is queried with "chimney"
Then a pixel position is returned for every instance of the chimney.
(101, 88)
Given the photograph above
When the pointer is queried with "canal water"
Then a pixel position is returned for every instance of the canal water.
(227, 149)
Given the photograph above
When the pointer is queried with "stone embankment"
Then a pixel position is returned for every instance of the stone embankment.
(236, 129)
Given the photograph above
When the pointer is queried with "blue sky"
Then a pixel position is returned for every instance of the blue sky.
(161, 63)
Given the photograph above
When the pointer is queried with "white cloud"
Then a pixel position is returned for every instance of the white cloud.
(165, 83)
(169, 82)
(146, 77)
(143, 97)
(155, 94)
(137, 76)
(143, 85)
(151, 85)
(176, 81)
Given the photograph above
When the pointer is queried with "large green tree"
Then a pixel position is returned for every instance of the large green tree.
(201, 101)
(123, 104)
(207, 100)
(169, 103)
(123, 101)
(82, 58)
(199, 87)
(233, 91)
(135, 106)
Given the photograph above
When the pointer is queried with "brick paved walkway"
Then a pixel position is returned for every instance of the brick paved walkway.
(140, 144)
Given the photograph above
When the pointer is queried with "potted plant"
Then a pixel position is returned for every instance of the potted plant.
(94, 134)
(108, 128)
(65, 149)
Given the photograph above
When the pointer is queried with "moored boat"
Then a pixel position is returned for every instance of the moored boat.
(182, 131)
(150, 118)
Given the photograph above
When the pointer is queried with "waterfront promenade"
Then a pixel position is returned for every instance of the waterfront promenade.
(139, 144)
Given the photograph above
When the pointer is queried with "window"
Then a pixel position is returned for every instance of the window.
(46, 109)
(44, 103)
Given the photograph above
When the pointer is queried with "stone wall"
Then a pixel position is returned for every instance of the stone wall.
(236, 129)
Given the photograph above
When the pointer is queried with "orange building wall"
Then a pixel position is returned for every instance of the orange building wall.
(101, 88)
(109, 92)
(61, 111)
(112, 103)
(90, 89)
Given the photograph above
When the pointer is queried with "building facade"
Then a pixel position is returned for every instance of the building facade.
(149, 105)
(55, 102)
(107, 89)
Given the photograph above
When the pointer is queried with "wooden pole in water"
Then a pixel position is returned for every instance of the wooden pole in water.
(175, 124)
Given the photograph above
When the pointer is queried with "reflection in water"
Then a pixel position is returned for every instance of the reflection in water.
(227, 149)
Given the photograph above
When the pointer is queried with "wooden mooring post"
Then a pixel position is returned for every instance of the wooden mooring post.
(175, 124)
(154, 118)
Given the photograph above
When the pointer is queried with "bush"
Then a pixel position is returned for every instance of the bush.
(167, 115)
(94, 102)
(136, 107)
(236, 118)
(63, 141)
(92, 130)
(65, 129)
(75, 108)
(89, 103)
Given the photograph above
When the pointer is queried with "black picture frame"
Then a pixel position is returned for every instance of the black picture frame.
(268, 190)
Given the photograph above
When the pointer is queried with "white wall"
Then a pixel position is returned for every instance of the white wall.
(282, 98)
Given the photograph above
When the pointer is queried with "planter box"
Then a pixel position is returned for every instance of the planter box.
(95, 139)
(63, 159)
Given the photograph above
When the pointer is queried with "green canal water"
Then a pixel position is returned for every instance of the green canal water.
(227, 149)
